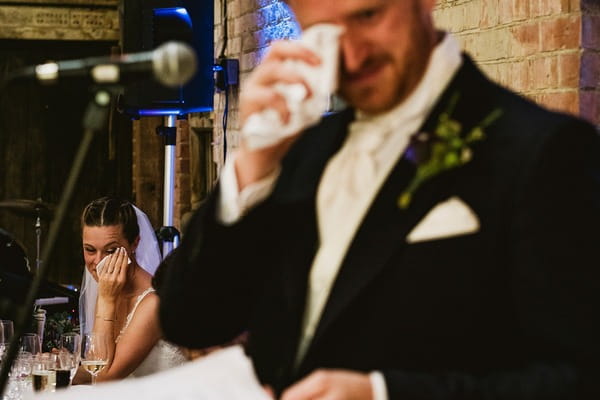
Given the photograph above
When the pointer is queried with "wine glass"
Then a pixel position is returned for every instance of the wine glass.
(20, 377)
(94, 356)
(30, 343)
(1, 342)
(6, 328)
(69, 355)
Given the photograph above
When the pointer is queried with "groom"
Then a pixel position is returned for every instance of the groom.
(436, 240)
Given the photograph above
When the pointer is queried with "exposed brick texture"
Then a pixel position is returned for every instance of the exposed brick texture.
(148, 157)
(547, 50)
(253, 24)
(590, 61)
(182, 195)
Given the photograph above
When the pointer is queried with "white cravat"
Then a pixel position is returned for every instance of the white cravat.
(351, 181)
(354, 175)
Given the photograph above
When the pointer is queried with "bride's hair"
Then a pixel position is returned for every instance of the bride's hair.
(110, 211)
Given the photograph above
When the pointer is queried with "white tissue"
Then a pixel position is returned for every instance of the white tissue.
(103, 261)
(266, 128)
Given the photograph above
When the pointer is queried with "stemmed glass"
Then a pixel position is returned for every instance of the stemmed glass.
(30, 343)
(29, 349)
(94, 356)
(69, 355)
(1, 342)
(20, 375)
(6, 333)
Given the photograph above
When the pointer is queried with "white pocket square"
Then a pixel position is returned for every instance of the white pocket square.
(450, 218)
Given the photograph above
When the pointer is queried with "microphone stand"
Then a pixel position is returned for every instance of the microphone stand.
(38, 234)
(93, 121)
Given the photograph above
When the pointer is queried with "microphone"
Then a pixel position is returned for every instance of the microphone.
(172, 64)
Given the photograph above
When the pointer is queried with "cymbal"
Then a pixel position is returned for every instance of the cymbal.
(29, 208)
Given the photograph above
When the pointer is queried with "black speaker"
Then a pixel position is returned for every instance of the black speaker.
(146, 24)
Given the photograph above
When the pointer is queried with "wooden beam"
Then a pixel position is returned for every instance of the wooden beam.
(58, 23)
(87, 3)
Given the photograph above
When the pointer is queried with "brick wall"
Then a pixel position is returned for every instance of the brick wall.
(252, 25)
(547, 50)
(183, 185)
(147, 170)
(590, 61)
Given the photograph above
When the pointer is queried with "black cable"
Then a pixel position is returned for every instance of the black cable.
(224, 123)
(225, 77)
(225, 30)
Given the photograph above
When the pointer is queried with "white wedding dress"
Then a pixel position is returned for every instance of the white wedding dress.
(163, 355)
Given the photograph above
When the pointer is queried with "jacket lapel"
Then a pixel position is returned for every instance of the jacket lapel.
(385, 227)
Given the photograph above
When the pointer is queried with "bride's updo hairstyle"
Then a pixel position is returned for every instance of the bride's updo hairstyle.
(110, 211)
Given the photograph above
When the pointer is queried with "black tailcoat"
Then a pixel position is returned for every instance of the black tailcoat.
(511, 311)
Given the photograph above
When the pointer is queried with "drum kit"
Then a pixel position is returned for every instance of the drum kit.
(16, 275)
(36, 209)
(19, 284)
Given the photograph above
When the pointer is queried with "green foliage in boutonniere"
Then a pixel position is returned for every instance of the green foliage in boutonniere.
(446, 148)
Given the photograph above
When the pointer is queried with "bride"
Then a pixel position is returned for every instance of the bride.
(117, 298)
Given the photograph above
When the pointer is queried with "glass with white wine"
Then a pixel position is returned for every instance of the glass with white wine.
(94, 356)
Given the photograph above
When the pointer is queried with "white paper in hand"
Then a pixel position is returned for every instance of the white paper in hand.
(224, 375)
(266, 128)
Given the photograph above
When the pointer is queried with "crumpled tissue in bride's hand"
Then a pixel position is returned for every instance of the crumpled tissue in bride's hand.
(100, 265)
(266, 128)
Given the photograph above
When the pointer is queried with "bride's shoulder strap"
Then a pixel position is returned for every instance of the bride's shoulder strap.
(135, 306)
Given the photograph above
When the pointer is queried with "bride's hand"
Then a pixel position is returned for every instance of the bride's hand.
(113, 276)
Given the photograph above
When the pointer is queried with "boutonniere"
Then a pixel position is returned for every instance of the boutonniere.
(445, 148)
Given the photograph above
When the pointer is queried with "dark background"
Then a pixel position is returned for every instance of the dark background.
(40, 130)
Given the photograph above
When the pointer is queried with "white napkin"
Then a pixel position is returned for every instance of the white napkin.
(226, 374)
(103, 261)
(266, 128)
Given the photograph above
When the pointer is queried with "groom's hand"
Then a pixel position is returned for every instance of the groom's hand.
(331, 385)
(258, 94)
